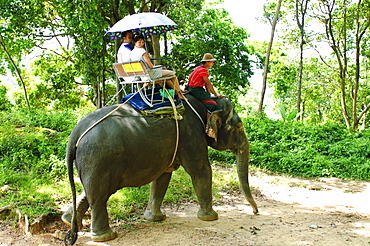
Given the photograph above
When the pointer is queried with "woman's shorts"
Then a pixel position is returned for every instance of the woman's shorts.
(155, 73)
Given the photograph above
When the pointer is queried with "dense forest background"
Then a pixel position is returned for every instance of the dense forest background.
(318, 70)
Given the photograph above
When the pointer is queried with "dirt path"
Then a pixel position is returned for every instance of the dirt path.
(293, 211)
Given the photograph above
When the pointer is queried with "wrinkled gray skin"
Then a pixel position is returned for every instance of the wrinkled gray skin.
(130, 150)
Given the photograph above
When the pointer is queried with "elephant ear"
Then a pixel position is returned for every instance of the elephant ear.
(213, 124)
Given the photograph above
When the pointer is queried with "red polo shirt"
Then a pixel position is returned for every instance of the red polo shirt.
(196, 77)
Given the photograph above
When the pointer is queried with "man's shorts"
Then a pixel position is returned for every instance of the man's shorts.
(204, 97)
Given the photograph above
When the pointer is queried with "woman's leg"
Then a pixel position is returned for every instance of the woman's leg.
(167, 73)
(173, 83)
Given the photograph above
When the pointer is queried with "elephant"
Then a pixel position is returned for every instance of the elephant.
(129, 149)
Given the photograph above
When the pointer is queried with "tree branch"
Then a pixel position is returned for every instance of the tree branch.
(2, 43)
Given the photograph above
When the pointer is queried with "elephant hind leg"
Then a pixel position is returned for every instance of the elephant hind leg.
(110, 234)
(82, 206)
(100, 229)
(158, 190)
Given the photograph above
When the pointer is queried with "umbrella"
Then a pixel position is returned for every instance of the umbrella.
(147, 23)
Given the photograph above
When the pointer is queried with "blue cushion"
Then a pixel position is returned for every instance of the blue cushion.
(138, 103)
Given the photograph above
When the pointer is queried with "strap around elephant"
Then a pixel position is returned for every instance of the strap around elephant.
(101, 119)
(196, 113)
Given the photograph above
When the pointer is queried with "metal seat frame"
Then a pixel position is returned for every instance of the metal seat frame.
(136, 75)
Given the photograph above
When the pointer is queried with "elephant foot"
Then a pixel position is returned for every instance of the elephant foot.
(67, 219)
(148, 215)
(109, 235)
(207, 215)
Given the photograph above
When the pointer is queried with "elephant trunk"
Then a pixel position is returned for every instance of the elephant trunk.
(242, 158)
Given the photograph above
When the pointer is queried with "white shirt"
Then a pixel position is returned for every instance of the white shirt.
(137, 54)
(123, 54)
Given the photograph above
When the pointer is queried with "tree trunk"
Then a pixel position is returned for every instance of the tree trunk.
(156, 48)
(165, 45)
(300, 13)
(98, 93)
(341, 57)
(103, 77)
(299, 81)
(358, 37)
(17, 71)
(267, 61)
(117, 43)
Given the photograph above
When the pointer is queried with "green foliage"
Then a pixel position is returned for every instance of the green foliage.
(269, 9)
(128, 202)
(32, 145)
(320, 100)
(222, 158)
(32, 166)
(213, 32)
(288, 116)
(4, 101)
(309, 151)
(180, 189)
(59, 88)
(327, 95)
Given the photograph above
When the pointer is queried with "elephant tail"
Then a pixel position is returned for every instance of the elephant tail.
(71, 236)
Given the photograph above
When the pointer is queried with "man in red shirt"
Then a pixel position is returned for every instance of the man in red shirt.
(200, 86)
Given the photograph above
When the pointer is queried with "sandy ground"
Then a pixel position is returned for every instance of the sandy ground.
(293, 211)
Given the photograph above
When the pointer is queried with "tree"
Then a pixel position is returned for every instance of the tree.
(300, 16)
(319, 92)
(347, 32)
(267, 59)
(17, 71)
(213, 32)
(18, 28)
(90, 53)
(84, 54)
(35, 26)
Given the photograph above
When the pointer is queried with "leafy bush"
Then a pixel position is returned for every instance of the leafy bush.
(34, 144)
(32, 153)
(222, 158)
(4, 101)
(309, 150)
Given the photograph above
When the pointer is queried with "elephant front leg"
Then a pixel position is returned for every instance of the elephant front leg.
(202, 182)
(158, 189)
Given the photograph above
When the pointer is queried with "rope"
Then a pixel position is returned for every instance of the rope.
(177, 117)
(104, 117)
(114, 96)
(191, 106)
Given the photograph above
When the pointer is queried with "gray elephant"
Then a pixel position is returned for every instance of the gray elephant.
(128, 149)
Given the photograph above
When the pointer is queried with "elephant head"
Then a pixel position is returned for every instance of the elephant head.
(226, 131)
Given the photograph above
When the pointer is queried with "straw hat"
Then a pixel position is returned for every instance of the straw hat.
(208, 57)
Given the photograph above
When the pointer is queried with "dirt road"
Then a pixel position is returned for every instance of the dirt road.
(293, 211)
